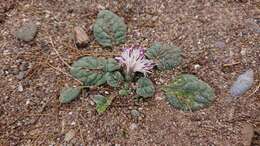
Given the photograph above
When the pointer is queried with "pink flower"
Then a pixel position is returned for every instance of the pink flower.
(133, 60)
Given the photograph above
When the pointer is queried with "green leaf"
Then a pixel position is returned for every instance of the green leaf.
(145, 87)
(187, 92)
(102, 103)
(109, 29)
(114, 79)
(93, 70)
(165, 56)
(69, 94)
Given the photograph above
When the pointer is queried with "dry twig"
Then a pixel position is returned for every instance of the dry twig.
(64, 73)
(53, 47)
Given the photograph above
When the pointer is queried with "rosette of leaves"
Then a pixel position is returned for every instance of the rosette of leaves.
(93, 71)
(145, 87)
(165, 56)
(109, 29)
(188, 93)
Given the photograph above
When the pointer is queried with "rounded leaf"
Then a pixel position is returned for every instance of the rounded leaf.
(187, 92)
(93, 70)
(102, 103)
(145, 88)
(109, 29)
(69, 94)
(165, 56)
(114, 79)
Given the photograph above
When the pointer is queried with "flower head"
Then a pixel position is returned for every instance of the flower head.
(133, 60)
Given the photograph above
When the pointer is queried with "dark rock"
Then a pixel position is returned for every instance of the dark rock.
(27, 32)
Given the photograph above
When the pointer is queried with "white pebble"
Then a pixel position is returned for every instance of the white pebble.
(73, 123)
(27, 102)
(20, 88)
(196, 66)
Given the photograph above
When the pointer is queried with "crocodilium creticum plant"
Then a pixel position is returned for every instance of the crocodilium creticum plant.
(133, 60)
(116, 73)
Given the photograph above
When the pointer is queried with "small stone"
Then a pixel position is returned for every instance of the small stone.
(133, 126)
(27, 102)
(243, 51)
(20, 88)
(247, 134)
(24, 66)
(91, 102)
(20, 75)
(196, 66)
(81, 37)
(73, 123)
(135, 113)
(27, 32)
(242, 83)
(69, 135)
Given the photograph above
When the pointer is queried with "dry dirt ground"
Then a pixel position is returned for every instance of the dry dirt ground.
(221, 36)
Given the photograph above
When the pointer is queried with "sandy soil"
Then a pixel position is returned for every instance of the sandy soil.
(222, 37)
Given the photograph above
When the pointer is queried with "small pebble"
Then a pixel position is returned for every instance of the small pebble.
(20, 75)
(242, 83)
(6, 52)
(135, 113)
(133, 126)
(73, 123)
(20, 88)
(196, 66)
(27, 102)
(81, 37)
